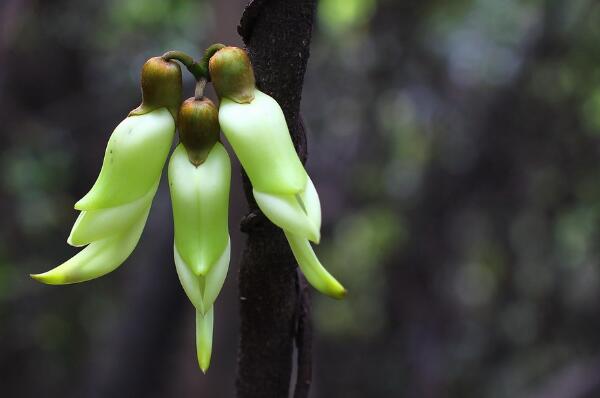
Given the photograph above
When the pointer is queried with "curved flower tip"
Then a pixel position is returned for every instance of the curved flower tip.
(312, 268)
(97, 259)
(204, 337)
(114, 211)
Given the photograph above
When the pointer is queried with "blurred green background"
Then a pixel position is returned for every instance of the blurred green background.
(455, 147)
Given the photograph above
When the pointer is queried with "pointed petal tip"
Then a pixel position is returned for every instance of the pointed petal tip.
(73, 241)
(335, 290)
(204, 367)
(80, 204)
(314, 232)
(47, 278)
(341, 294)
(315, 237)
(204, 360)
(86, 203)
(37, 277)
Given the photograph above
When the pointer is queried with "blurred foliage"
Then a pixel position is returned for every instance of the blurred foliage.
(362, 242)
(472, 125)
(339, 17)
(455, 148)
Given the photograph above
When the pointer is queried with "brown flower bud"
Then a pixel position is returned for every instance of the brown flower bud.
(161, 86)
(232, 75)
(198, 125)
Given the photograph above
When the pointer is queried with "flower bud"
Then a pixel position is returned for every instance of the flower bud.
(232, 75)
(161, 86)
(198, 125)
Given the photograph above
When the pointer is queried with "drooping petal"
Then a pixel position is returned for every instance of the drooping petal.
(95, 225)
(204, 337)
(133, 161)
(98, 258)
(200, 197)
(312, 268)
(215, 278)
(258, 133)
(312, 205)
(287, 212)
(191, 282)
(203, 290)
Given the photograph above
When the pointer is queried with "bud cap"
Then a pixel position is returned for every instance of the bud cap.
(198, 123)
(232, 75)
(161, 87)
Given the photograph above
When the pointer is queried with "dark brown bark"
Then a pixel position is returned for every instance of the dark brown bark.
(274, 308)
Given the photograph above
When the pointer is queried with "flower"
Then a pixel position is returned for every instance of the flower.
(199, 181)
(255, 126)
(114, 211)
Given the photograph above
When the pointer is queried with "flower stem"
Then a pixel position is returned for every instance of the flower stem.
(200, 84)
(198, 69)
(209, 52)
(191, 65)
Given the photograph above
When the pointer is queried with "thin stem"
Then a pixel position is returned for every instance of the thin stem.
(200, 84)
(191, 65)
(209, 52)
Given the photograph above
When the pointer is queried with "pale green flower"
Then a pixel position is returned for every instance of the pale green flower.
(255, 126)
(114, 211)
(199, 180)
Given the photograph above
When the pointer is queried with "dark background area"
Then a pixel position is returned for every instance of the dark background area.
(455, 148)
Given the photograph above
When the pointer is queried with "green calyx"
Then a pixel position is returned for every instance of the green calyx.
(232, 74)
(161, 87)
(198, 123)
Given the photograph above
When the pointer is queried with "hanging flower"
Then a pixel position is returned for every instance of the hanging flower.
(114, 211)
(199, 180)
(254, 124)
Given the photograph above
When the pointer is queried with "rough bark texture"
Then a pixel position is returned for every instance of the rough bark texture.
(274, 306)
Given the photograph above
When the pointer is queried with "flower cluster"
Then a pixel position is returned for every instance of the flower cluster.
(113, 213)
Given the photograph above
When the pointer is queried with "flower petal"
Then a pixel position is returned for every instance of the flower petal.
(204, 337)
(312, 205)
(215, 278)
(133, 162)
(191, 282)
(312, 269)
(203, 290)
(99, 224)
(200, 197)
(259, 135)
(287, 213)
(98, 258)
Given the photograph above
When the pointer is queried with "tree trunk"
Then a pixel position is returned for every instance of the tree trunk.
(274, 306)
